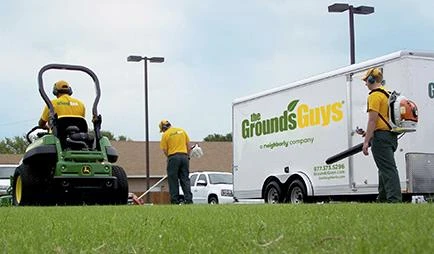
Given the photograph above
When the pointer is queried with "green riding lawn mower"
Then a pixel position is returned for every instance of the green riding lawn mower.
(69, 165)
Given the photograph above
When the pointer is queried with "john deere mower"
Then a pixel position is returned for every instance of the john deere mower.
(69, 165)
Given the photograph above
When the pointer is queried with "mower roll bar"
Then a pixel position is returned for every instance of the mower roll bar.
(71, 68)
(96, 119)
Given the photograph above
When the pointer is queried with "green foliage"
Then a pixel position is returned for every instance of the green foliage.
(108, 134)
(15, 145)
(18, 144)
(243, 228)
(124, 138)
(217, 137)
(111, 136)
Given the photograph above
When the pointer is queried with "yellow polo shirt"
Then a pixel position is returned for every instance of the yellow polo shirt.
(65, 105)
(174, 140)
(378, 102)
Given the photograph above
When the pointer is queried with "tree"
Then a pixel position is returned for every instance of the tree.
(18, 144)
(218, 137)
(108, 134)
(112, 137)
(124, 138)
(15, 145)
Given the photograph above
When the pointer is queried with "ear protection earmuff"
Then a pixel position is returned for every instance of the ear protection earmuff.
(374, 74)
(56, 91)
(371, 79)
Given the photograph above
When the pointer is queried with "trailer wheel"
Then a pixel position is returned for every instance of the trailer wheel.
(296, 192)
(273, 193)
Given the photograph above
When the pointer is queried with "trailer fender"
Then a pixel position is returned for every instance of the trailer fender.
(306, 180)
(285, 179)
(271, 178)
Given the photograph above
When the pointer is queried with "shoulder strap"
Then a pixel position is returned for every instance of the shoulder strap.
(380, 115)
(381, 91)
(385, 121)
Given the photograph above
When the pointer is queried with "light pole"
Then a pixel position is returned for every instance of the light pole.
(364, 10)
(151, 60)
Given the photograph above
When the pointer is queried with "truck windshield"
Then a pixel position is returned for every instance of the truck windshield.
(6, 171)
(220, 178)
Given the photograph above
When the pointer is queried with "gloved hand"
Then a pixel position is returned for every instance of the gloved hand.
(196, 151)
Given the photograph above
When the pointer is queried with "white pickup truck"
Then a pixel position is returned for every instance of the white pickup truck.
(6, 171)
(210, 187)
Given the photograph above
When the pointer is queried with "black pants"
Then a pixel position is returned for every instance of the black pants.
(177, 173)
(384, 145)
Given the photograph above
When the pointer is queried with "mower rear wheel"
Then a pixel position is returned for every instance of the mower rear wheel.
(120, 196)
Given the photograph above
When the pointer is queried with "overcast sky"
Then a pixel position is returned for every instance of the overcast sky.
(215, 52)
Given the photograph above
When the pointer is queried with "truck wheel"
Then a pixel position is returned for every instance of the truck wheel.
(22, 187)
(121, 193)
(296, 192)
(273, 193)
(213, 200)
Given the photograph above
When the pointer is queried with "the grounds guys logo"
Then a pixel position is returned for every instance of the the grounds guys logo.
(295, 116)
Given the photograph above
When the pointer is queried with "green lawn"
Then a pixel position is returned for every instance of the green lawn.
(257, 228)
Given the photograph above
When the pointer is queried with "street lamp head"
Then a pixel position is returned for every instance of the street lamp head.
(365, 10)
(156, 59)
(338, 7)
(134, 58)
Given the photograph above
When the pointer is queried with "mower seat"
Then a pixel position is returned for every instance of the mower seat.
(77, 140)
(72, 133)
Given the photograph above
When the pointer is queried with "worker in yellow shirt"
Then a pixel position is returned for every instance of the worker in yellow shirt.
(174, 143)
(384, 142)
(64, 104)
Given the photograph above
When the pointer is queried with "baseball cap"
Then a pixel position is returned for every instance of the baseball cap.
(375, 72)
(164, 124)
(61, 85)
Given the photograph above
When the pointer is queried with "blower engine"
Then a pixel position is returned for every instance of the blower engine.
(403, 113)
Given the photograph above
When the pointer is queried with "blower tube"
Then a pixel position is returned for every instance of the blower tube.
(344, 154)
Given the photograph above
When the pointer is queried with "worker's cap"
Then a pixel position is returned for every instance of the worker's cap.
(164, 125)
(61, 85)
(374, 72)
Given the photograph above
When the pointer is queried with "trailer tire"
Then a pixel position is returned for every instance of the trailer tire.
(273, 193)
(296, 192)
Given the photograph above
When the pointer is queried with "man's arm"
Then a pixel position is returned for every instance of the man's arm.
(165, 151)
(372, 120)
(43, 124)
(45, 115)
(163, 146)
(188, 148)
(187, 144)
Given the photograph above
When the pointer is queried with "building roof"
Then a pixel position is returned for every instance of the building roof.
(217, 157)
(10, 158)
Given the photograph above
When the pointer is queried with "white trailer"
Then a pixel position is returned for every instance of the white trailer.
(283, 136)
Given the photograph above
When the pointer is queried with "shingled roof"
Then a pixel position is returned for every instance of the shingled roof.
(217, 157)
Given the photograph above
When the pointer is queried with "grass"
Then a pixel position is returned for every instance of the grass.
(257, 228)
